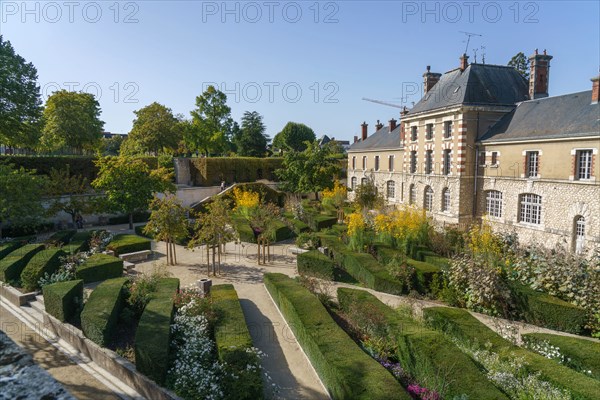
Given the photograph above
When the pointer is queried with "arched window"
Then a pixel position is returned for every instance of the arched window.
(353, 162)
(353, 183)
(412, 194)
(579, 234)
(531, 208)
(391, 189)
(428, 198)
(446, 199)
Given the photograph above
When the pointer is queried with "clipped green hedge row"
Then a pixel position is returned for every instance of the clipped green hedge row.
(12, 265)
(233, 338)
(45, 262)
(246, 234)
(19, 231)
(8, 247)
(424, 272)
(298, 225)
(419, 346)
(462, 324)
(315, 263)
(63, 299)
(79, 242)
(346, 371)
(100, 267)
(318, 222)
(139, 230)
(211, 171)
(124, 243)
(364, 268)
(142, 216)
(153, 335)
(548, 311)
(61, 237)
(101, 311)
(582, 353)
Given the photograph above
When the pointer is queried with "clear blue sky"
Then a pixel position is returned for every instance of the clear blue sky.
(262, 53)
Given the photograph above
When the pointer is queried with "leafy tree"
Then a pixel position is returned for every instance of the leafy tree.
(129, 185)
(20, 202)
(251, 141)
(168, 223)
(70, 193)
(293, 137)
(367, 197)
(309, 171)
(521, 64)
(155, 128)
(112, 146)
(72, 119)
(20, 102)
(211, 122)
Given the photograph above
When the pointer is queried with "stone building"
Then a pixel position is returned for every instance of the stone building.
(484, 141)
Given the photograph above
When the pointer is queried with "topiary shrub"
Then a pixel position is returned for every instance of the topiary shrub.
(45, 262)
(63, 299)
(101, 312)
(12, 264)
(100, 267)
(315, 263)
(124, 243)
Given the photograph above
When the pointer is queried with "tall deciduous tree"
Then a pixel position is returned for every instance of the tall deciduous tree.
(20, 202)
(309, 171)
(168, 223)
(20, 101)
(72, 119)
(293, 137)
(251, 141)
(520, 63)
(69, 193)
(211, 122)
(129, 184)
(155, 128)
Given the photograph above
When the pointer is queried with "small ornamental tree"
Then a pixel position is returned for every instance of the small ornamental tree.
(129, 184)
(367, 197)
(168, 223)
(71, 194)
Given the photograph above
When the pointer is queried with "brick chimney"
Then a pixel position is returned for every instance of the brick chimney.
(430, 79)
(378, 126)
(539, 75)
(595, 89)
(464, 61)
(365, 131)
(392, 124)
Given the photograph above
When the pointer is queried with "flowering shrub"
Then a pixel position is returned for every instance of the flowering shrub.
(399, 269)
(407, 224)
(484, 243)
(245, 201)
(357, 226)
(336, 196)
(142, 287)
(99, 241)
(544, 348)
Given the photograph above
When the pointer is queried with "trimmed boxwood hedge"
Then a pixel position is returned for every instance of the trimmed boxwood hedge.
(12, 265)
(315, 263)
(246, 234)
(365, 268)
(61, 237)
(318, 222)
(124, 243)
(46, 261)
(101, 312)
(346, 371)
(548, 311)
(8, 247)
(79, 242)
(233, 338)
(583, 353)
(153, 335)
(298, 225)
(424, 272)
(63, 299)
(100, 267)
(418, 345)
(462, 324)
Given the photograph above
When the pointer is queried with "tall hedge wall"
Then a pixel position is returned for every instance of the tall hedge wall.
(212, 171)
(12, 264)
(101, 312)
(45, 262)
(62, 299)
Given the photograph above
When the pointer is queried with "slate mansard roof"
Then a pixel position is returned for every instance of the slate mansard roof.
(478, 84)
(570, 115)
(382, 139)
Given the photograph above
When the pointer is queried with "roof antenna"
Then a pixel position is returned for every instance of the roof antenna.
(475, 56)
(483, 54)
(469, 35)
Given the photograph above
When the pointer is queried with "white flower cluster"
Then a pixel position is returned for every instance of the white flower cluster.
(544, 348)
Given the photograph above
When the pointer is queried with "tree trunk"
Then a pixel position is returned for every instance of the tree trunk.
(174, 254)
(317, 196)
(207, 260)
(130, 220)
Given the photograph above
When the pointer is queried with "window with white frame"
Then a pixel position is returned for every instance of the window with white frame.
(447, 129)
(353, 162)
(429, 161)
(429, 132)
(446, 161)
(391, 189)
(412, 194)
(391, 163)
(533, 160)
(584, 164)
(353, 183)
(428, 198)
(493, 203)
(364, 163)
(413, 133)
(531, 208)
(376, 163)
(413, 162)
(446, 199)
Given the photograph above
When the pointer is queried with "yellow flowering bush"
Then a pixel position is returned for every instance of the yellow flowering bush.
(483, 242)
(356, 231)
(337, 195)
(405, 224)
(245, 202)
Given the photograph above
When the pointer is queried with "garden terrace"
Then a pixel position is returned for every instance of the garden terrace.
(101, 312)
(100, 267)
(44, 262)
(124, 243)
(425, 353)
(13, 264)
(346, 371)
(461, 324)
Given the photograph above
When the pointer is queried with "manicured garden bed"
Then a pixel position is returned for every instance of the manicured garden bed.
(63, 300)
(13, 264)
(122, 244)
(100, 267)
(101, 312)
(79, 242)
(44, 262)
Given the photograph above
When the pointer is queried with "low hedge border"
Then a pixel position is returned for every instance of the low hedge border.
(61, 237)
(44, 262)
(101, 312)
(139, 230)
(424, 272)
(233, 338)
(315, 263)
(318, 222)
(124, 243)
(417, 345)
(548, 311)
(583, 354)
(8, 247)
(13, 264)
(298, 225)
(79, 242)
(63, 299)
(100, 267)
(365, 268)
(153, 335)
(346, 371)
(462, 324)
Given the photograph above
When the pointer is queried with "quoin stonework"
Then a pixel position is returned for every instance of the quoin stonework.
(484, 141)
